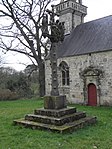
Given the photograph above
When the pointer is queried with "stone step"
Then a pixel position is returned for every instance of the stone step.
(68, 127)
(55, 113)
(55, 121)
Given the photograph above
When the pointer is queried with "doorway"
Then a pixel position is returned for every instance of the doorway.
(92, 95)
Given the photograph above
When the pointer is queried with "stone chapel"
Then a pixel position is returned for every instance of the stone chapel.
(84, 57)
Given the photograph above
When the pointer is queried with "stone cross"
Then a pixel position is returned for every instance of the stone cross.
(56, 35)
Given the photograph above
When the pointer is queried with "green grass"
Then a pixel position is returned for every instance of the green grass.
(14, 137)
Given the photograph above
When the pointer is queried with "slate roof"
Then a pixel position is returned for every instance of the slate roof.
(90, 37)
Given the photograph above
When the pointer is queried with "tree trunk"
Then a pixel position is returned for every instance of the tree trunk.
(42, 79)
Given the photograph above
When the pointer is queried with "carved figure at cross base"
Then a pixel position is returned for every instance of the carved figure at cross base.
(56, 35)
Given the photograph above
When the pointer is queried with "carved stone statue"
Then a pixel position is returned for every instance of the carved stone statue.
(57, 31)
(45, 26)
(57, 28)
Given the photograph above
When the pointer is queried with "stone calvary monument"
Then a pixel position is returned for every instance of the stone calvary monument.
(56, 115)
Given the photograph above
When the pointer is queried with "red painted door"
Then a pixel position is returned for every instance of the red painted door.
(92, 95)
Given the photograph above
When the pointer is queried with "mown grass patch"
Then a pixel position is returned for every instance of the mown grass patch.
(14, 137)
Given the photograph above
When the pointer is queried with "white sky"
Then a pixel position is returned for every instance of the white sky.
(96, 9)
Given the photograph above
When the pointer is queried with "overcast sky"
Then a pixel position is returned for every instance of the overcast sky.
(96, 9)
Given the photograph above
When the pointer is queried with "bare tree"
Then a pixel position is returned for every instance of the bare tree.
(1, 59)
(20, 27)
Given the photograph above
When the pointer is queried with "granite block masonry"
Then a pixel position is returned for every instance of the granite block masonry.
(56, 117)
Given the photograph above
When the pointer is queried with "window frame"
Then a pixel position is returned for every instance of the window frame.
(65, 77)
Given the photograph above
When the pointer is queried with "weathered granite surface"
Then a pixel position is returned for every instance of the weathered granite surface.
(55, 102)
(76, 92)
(62, 120)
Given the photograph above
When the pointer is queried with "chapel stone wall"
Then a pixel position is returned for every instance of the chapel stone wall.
(77, 91)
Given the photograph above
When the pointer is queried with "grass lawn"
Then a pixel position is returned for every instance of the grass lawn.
(14, 137)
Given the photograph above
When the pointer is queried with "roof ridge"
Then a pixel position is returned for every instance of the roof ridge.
(89, 37)
(96, 19)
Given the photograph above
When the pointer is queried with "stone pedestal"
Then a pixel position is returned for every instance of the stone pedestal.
(55, 102)
(56, 116)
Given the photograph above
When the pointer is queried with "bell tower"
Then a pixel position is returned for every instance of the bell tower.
(72, 12)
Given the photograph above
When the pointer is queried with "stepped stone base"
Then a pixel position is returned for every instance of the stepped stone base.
(62, 121)
(68, 127)
(55, 113)
(56, 116)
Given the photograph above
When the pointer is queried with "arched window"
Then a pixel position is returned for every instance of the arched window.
(64, 73)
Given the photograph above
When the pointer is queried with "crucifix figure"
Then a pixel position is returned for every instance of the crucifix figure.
(56, 35)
